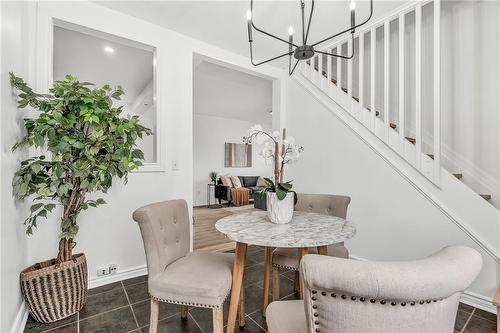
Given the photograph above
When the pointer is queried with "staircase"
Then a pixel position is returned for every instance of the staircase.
(389, 94)
(376, 79)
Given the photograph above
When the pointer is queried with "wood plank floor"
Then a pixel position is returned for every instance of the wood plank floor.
(205, 236)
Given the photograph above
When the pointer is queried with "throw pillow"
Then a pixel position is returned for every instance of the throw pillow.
(261, 182)
(226, 180)
(236, 182)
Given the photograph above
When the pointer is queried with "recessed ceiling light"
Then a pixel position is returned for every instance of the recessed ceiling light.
(109, 49)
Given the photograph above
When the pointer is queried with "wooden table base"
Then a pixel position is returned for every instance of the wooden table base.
(238, 270)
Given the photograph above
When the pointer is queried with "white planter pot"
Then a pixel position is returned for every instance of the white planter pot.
(280, 211)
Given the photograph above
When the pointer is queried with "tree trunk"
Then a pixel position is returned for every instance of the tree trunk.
(65, 250)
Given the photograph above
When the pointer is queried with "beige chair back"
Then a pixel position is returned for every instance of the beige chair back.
(418, 296)
(165, 233)
(329, 204)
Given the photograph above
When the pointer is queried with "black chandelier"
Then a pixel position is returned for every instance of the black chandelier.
(304, 51)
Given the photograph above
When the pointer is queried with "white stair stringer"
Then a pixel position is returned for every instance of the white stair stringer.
(465, 208)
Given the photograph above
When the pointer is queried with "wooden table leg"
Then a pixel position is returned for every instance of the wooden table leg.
(323, 250)
(268, 257)
(238, 269)
(302, 252)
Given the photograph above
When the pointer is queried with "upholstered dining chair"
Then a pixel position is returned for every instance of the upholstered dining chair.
(352, 296)
(175, 275)
(288, 258)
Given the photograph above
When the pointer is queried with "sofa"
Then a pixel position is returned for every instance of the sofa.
(222, 191)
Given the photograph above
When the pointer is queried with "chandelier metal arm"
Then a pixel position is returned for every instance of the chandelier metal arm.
(350, 28)
(267, 33)
(268, 60)
(339, 55)
(291, 70)
(308, 23)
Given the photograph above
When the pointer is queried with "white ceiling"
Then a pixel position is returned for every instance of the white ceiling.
(223, 23)
(83, 55)
(222, 92)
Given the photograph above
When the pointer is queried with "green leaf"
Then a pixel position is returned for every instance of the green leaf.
(36, 207)
(281, 193)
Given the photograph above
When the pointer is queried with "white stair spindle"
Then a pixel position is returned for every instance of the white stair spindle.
(373, 43)
(339, 70)
(387, 36)
(350, 46)
(437, 93)
(401, 59)
(329, 73)
(361, 71)
(418, 85)
(320, 71)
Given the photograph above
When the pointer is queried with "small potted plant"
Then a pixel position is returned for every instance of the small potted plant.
(87, 143)
(282, 151)
(213, 176)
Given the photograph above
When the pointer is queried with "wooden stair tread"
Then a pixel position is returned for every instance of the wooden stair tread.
(431, 156)
(486, 196)
(496, 299)
(392, 125)
(458, 175)
(334, 81)
(355, 98)
(412, 140)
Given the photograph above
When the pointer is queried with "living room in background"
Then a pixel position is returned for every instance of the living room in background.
(226, 102)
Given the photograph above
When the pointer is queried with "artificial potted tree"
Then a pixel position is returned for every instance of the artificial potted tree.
(87, 143)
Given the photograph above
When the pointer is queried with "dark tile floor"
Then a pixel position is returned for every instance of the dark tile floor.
(124, 307)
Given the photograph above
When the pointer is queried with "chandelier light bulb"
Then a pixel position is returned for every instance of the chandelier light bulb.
(290, 30)
(249, 15)
(352, 5)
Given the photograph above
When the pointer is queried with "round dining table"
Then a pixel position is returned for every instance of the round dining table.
(305, 230)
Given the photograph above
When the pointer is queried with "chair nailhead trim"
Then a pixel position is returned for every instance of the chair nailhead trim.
(362, 299)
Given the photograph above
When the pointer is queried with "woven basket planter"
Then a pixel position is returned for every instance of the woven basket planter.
(55, 291)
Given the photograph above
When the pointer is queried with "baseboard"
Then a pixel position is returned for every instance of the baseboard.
(478, 301)
(468, 297)
(21, 318)
(122, 275)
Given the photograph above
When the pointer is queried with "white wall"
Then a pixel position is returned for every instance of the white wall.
(108, 234)
(394, 220)
(15, 56)
(209, 135)
(471, 83)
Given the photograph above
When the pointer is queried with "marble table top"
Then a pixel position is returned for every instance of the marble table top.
(305, 230)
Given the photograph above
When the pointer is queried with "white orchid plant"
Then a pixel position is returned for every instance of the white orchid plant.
(279, 149)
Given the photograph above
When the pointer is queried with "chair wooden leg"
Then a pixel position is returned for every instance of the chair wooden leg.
(153, 319)
(276, 283)
(296, 282)
(218, 320)
(184, 311)
(268, 257)
(302, 252)
(241, 308)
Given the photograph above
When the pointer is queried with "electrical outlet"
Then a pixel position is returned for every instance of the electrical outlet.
(175, 165)
(112, 268)
(103, 271)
